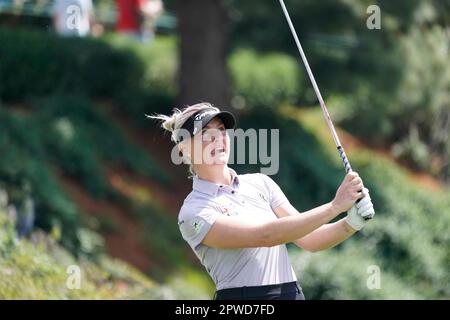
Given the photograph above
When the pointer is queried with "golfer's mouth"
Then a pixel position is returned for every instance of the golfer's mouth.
(218, 151)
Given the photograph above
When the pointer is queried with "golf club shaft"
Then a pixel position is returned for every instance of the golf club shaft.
(326, 115)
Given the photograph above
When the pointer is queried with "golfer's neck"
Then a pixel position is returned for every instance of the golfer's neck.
(219, 174)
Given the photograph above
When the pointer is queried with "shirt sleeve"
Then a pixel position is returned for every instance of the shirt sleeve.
(195, 222)
(276, 195)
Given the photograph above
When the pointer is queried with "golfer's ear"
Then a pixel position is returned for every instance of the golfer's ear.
(184, 148)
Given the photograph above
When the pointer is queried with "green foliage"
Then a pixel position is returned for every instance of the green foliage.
(263, 80)
(395, 87)
(407, 240)
(345, 274)
(338, 48)
(25, 171)
(263, 25)
(425, 97)
(65, 130)
(157, 87)
(258, 80)
(36, 63)
(39, 269)
(395, 80)
(415, 117)
(68, 132)
(189, 284)
(161, 232)
(88, 139)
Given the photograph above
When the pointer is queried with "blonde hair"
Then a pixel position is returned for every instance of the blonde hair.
(174, 122)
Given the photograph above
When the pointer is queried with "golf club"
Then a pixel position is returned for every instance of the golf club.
(326, 114)
(344, 158)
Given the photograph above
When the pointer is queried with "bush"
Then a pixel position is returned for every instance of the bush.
(407, 240)
(24, 171)
(412, 116)
(38, 269)
(68, 133)
(88, 139)
(158, 86)
(39, 63)
(345, 274)
(159, 59)
(264, 80)
(139, 78)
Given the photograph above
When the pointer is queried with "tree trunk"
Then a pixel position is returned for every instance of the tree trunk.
(203, 74)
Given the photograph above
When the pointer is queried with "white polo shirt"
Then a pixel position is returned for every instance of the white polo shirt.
(250, 196)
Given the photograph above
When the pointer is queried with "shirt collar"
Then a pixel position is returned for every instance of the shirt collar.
(212, 188)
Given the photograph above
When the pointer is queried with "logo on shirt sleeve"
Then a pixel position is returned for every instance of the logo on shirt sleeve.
(197, 225)
(191, 228)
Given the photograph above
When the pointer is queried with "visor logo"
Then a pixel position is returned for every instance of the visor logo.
(200, 116)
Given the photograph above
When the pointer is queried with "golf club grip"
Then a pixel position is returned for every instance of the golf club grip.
(344, 158)
(346, 163)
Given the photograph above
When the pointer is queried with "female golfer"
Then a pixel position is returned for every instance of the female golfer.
(238, 225)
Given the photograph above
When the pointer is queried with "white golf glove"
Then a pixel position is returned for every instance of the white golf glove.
(361, 212)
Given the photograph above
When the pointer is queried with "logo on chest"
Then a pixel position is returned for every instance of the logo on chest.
(262, 196)
(228, 209)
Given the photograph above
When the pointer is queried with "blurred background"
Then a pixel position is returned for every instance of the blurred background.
(86, 179)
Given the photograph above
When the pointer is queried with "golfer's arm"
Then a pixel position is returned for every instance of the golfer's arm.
(324, 237)
(234, 232)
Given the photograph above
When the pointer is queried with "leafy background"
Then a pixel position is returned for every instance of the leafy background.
(86, 179)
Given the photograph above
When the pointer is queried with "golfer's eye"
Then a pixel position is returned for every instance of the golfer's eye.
(207, 136)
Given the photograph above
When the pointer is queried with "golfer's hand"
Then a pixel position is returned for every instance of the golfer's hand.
(348, 192)
(361, 212)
